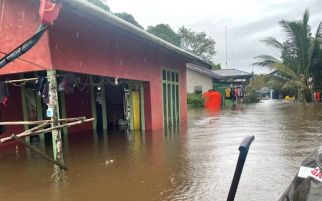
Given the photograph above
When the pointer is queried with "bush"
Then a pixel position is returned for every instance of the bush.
(251, 97)
(195, 100)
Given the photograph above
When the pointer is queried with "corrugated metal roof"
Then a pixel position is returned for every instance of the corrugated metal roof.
(232, 73)
(203, 71)
(90, 9)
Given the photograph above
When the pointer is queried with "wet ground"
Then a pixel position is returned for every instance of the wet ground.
(193, 162)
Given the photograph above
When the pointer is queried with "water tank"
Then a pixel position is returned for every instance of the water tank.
(212, 99)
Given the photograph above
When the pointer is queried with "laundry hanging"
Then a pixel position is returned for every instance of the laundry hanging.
(68, 83)
(42, 88)
(49, 11)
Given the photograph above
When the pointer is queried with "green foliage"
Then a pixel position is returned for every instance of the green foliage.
(195, 100)
(216, 66)
(129, 18)
(100, 4)
(251, 97)
(199, 44)
(165, 32)
(300, 56)
(287, 87)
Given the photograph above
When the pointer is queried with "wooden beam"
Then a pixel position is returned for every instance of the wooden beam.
(10, 123)
(62, 166)
(34, 131)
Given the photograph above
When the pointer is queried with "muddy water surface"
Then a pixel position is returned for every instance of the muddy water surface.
(193, 162)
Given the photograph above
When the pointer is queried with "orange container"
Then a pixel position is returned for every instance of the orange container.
(212, 99)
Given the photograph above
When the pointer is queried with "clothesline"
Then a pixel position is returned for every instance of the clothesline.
(80, 85)
(87, 83)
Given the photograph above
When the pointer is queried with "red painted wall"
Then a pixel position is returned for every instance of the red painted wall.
(19, 21)
(78, 104)
(85, 46)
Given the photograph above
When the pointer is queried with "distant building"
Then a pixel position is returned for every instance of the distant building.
(234, 76)
(232, 86)
(200, 79)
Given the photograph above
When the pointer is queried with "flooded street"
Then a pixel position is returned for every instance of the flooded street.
(193, 162)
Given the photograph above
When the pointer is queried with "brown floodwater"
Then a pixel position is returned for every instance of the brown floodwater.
(195, 161)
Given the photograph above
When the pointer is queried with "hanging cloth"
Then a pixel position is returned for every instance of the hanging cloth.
(4, 93)
(42, 88)
(68, 83)
(227, 92)
(49, 11)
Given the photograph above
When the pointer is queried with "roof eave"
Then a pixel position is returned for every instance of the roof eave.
(121, 24)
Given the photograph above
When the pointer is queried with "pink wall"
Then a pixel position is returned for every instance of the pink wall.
(79, 44)
(78, 104)
(19, 21)
(115, 54)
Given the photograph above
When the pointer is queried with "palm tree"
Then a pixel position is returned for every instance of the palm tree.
(301, 55)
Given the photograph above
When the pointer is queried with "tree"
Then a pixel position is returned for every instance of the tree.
(216, 66)
(301, 56)
(165, 32)
(129, 18)
(198, 44)
(100, 4)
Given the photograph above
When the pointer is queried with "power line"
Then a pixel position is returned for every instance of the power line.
(24, 60)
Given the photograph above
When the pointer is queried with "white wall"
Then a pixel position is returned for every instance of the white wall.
(197, 79)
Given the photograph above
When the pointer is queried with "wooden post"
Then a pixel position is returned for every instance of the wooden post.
(53, 103)
(24, 105)
(39, 113)
(131, 123)
(142, 106)
(93, 103)
(104, 106)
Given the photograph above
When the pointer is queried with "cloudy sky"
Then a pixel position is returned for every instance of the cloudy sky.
(247, 22)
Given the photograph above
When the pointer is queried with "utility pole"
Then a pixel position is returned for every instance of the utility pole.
(226, 45)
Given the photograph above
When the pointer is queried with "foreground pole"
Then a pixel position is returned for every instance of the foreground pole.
(243, 149)
(22, 141)
(53, 105)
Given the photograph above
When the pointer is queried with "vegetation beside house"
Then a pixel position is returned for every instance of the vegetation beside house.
(195, 100)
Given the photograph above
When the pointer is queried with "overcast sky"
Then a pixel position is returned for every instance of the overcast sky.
(247, 22)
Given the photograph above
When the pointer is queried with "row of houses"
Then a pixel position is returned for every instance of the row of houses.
(107, 69)
(201, 79)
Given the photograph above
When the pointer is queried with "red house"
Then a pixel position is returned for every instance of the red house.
(122, 74)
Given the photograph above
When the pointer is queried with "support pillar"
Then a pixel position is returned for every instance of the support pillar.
(131, 123)
(93, 104)
(24, 110)
(142, 106)
(104, 106)
(63, 114)
(53, 103)
(39, 114)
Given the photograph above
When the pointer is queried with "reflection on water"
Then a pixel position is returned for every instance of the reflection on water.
(195, 161)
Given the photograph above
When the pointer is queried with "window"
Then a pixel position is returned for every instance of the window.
(170, 86)
(198, 89)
